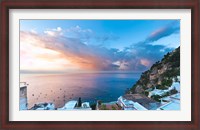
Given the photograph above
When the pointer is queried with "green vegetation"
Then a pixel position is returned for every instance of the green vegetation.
(113, 108)
(93, 106)
(79, 102)
(99, 102)
(173, 72)
(156, 98)
(173, 91)
(155, 65)
(166, 83)
(103, 107)
(159, 75)
(162, 87)
(146, 93)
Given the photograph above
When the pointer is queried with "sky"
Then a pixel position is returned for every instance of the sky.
(95, 45)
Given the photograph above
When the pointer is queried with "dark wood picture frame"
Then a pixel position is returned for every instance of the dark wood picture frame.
(194, 5)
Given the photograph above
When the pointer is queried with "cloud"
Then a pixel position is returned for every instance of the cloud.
(172, 41)
(87, 34)
(54, 32)
(53, 50)
(164, 32)
(106, 37)
(147, 54)
(33, 31)
(145, 62)
(78, 32)
(71, 50)
(78, 29)
(153, 47)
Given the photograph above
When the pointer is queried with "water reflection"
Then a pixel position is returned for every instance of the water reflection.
(60, 88)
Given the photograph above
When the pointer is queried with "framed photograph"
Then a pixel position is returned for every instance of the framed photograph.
(100, 64)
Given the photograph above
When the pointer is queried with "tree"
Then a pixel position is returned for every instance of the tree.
(79, 102)
(113, 107)
(99, 102)
(103, 107)
(146, 93)
(93, 106)
(156, 97)
(173, 91)
(161, 87)
(167, 82)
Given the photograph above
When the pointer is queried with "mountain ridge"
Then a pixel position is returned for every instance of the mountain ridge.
(161, 74)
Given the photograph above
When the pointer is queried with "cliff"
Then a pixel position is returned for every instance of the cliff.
(160, 75)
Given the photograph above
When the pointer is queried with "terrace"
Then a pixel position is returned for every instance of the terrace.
(148, 103)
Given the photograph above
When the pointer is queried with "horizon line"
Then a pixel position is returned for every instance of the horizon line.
(65, 72)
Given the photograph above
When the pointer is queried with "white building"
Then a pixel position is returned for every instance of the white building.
(86, 106)
(175, 85)
(23, 104)
(43, 106)
(170, 103)
(129, 105)
(69, 105)
(157, 92)
(72, 105)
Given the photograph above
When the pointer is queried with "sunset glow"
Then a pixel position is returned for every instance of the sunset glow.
(104, 45)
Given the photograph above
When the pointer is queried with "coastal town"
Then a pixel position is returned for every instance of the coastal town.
(79, 65)
(128, 101)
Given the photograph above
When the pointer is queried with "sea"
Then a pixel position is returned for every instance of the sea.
(90, 87)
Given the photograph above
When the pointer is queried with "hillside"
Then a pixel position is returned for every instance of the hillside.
(160, 75)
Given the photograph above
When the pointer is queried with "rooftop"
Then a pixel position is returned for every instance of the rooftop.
(109, 106)
(147, 102)
(172, 104)
(138, 106)
(43, 106)
(130, 103)
(23, 84)
(69, 105)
